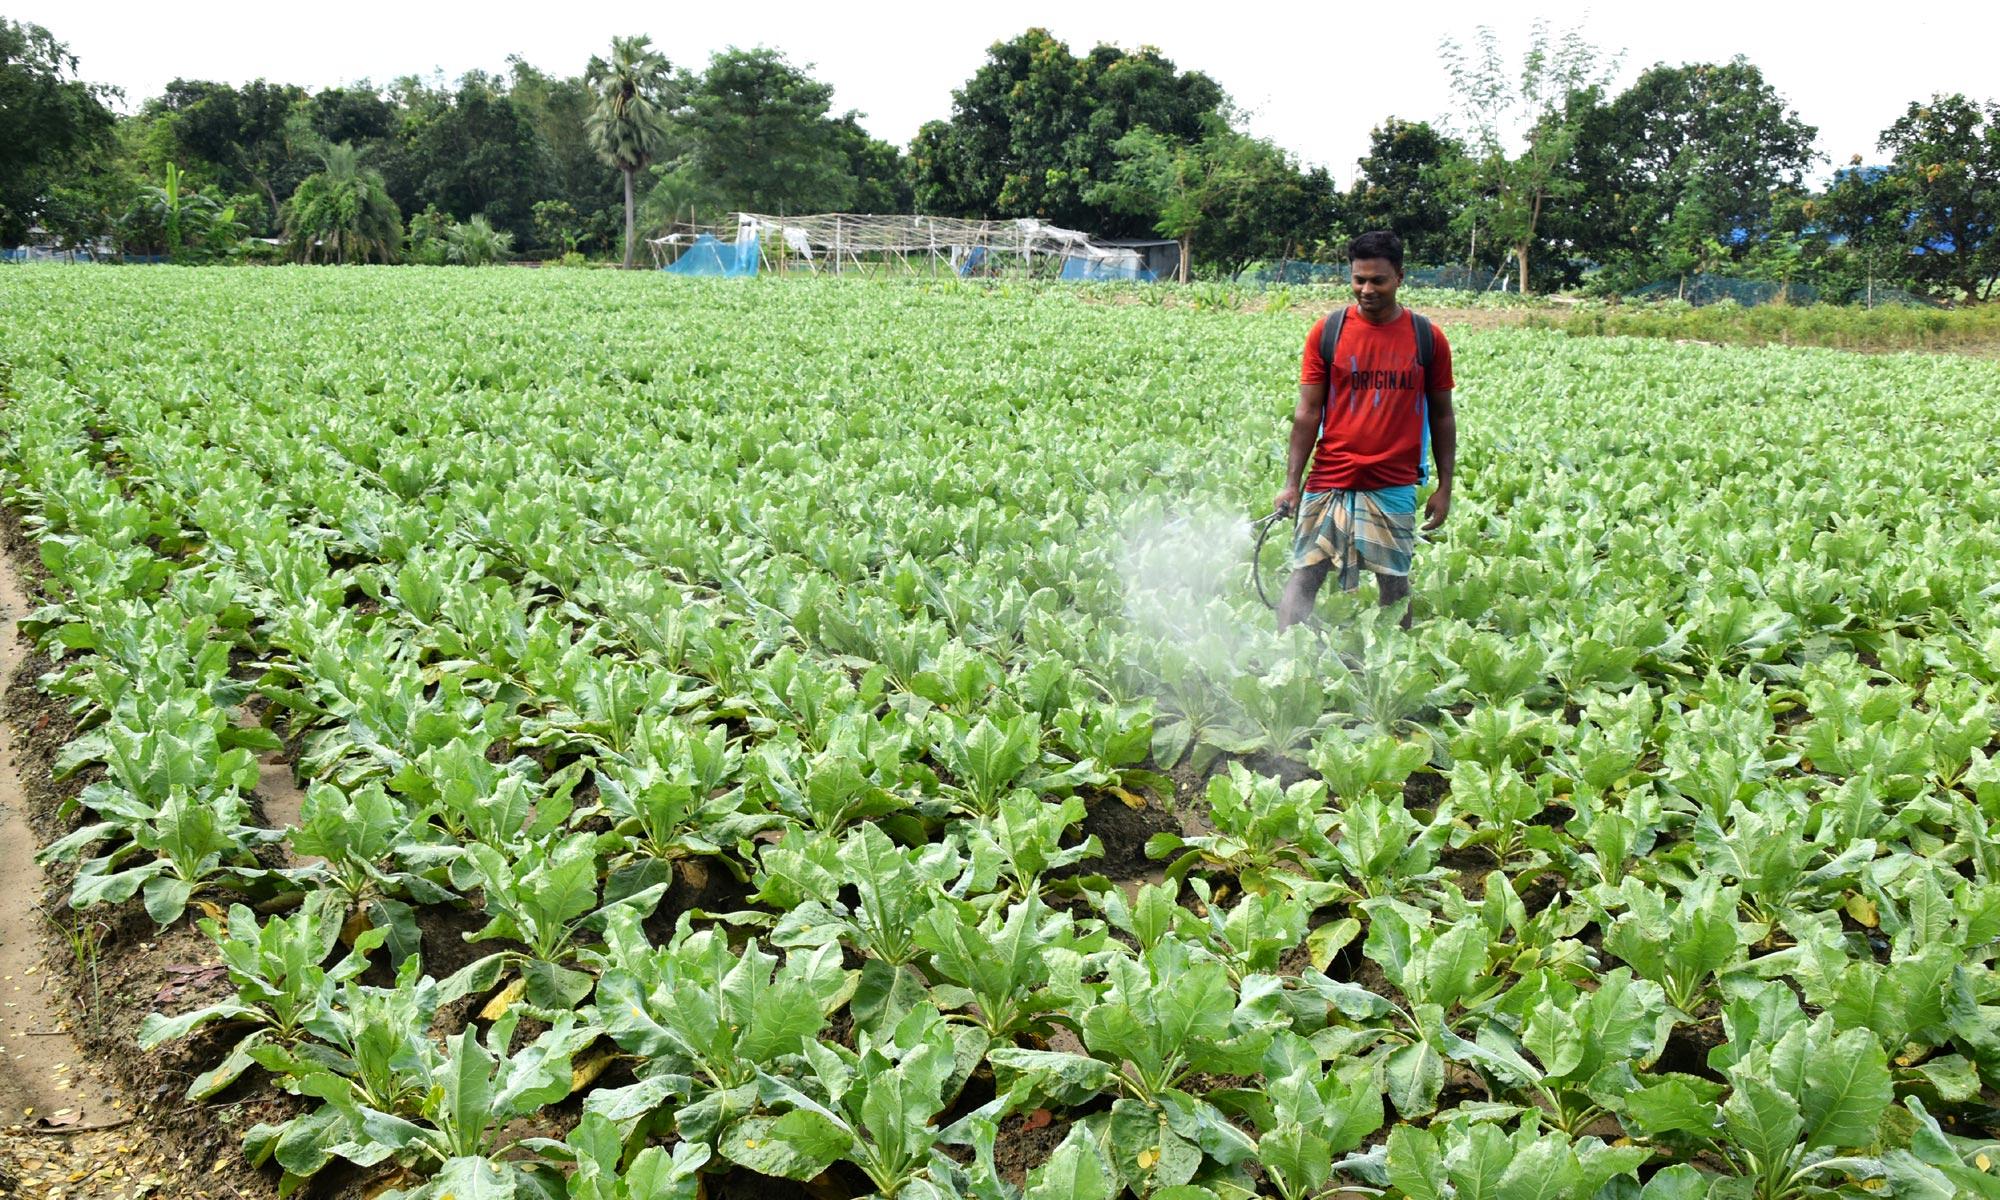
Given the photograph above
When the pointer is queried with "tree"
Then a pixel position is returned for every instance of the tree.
(1036, 128)
(343, 213)
(1863, 219)
(255, 138)
(627, 121)
(49, 122)
(1509, 192)
(1712, 141)
(478, 153)
(1945, 163)
(355, 114)
(760, 139)
(1160, 177)
(559, 109)
(556, 225)
(1404, 185)
(1237, 197)
(881, 174)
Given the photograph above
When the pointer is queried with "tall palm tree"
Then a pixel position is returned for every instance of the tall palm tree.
(344, 212)
(628, 116)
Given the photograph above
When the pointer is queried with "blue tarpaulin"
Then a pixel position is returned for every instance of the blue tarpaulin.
(711, 256)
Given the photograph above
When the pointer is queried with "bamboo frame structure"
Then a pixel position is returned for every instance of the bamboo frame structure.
(907, 243)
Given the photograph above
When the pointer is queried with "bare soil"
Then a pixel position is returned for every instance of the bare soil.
(81, 1114)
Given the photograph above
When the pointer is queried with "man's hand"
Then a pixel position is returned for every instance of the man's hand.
(1435, 508)
(1287, 502)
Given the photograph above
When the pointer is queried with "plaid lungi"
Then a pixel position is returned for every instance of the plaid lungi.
(1353, 529)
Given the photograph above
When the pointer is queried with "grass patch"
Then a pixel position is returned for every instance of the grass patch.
(1971, 330)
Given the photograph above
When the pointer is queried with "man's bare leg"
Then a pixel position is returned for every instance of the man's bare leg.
(1296, 603)
(1395, 589)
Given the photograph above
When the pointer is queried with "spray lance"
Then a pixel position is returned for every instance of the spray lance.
(1263, 528)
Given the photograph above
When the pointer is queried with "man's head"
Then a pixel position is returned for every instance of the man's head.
(1375, 265)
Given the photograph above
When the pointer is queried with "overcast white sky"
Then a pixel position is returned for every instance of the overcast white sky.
(1315, 79)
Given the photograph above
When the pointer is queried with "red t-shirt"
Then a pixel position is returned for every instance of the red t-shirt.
(1376, 415)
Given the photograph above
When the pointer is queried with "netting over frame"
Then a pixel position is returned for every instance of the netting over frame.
(908, 241)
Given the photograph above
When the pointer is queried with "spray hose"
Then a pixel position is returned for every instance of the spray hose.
(1263, 528)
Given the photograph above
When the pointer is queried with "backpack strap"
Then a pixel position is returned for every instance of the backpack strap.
(1329, 341)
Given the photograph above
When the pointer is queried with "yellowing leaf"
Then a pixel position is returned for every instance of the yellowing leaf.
(503, 1000)
(1862, 909)
(581, 1074)
(1131, 801)
(356, 926)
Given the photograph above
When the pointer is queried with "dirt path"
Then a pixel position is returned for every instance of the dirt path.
(43, 1075)
(66, 1131)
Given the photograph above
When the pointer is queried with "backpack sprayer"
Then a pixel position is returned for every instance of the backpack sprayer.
(1329, 339)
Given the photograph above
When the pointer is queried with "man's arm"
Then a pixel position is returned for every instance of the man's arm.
(1444, 448)
(1305, 431)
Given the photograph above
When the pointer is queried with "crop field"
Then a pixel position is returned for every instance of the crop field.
(596, 736)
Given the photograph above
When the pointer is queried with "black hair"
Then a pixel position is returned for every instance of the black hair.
(1377, 243)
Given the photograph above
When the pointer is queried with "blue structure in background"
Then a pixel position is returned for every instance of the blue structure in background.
(975, 258)
(710, 256)
(1127, 269)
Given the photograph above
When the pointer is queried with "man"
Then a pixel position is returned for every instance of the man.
(1367, 407)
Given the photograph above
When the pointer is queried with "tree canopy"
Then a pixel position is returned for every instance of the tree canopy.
(1543, 169)
(51, 123)
(1036, 127)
